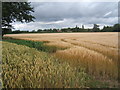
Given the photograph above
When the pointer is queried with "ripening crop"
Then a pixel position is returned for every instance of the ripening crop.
(64, 54)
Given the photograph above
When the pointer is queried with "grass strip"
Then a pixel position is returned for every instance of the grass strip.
(34, 44)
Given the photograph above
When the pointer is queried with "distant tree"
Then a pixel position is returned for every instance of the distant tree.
(63, 30)
(39, 30)
(104, 29)
(69, 29)
(51, 30)
(96, 28)
(77, 29)
(107, 29)
(54, 30)
(82, 26)
(89, 30)
(18, 31)
(15, 11)
(33, 31)
(116, 28)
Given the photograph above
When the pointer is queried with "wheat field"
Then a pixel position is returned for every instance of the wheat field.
(25, 67)
(96, 52)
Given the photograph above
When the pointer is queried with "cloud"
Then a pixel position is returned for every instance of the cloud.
(70, 14)
(73, 0)
(107, 13)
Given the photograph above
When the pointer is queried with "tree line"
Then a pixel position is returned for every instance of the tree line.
(96, 28)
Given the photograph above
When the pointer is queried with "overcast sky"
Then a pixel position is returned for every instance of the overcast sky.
(70, 14)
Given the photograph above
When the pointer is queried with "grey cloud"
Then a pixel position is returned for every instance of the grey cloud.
(69, 14)
(58, 11)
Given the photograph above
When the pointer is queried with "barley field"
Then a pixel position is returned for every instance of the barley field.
(80, 56)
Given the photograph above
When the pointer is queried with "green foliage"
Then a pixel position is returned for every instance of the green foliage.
(107, 29)
(15, 11)
(116, 28)
(18, 31)
(96, 28)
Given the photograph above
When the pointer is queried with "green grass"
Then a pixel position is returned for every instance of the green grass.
(25, 67)
(34, 44)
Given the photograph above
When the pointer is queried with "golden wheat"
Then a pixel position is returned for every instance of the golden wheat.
(95, 63)
(97, 52)
(25, 67)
